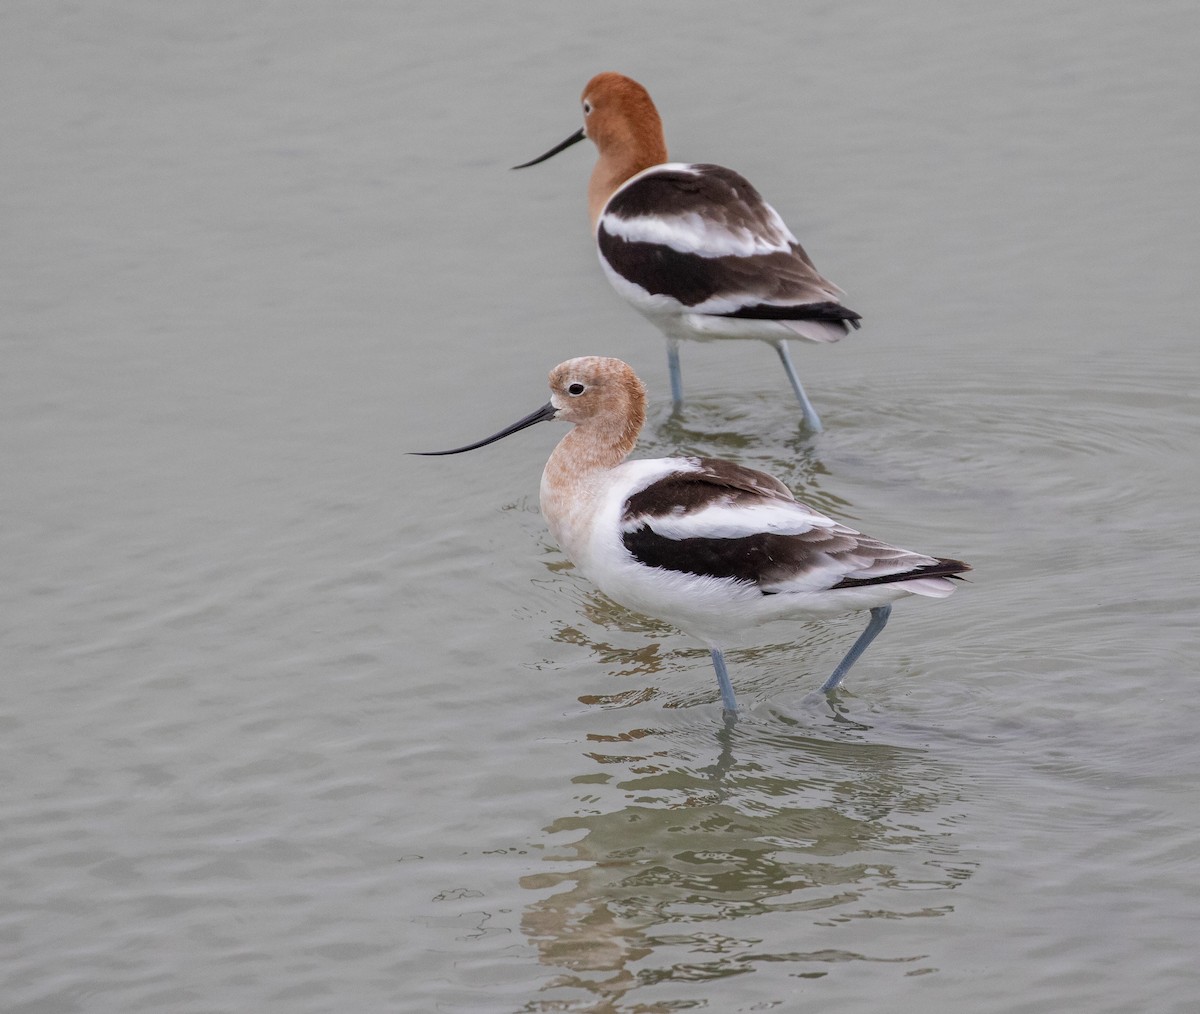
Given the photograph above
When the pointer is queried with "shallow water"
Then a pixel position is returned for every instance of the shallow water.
(296, 723)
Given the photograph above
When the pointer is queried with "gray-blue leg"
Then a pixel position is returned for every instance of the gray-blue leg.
(728, 701)
(879, 618)
(811, 419)
(673, 369)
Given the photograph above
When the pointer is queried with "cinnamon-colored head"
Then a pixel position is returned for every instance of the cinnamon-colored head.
(620, 118)
(603, 396)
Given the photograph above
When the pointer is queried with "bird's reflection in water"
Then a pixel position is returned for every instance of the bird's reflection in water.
(783, 844)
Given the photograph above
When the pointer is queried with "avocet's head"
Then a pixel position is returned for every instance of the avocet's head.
(593, 387)
(595, 391)
(620, 119)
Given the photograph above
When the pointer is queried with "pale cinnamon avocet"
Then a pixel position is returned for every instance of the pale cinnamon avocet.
(711, 546)
(694, 247)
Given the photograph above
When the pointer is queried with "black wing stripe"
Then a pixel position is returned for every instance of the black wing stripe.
(943, 568)
(782, 286)
(828, 310)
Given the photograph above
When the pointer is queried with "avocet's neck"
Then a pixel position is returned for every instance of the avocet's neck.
(574, 480)
(621, 161)
(612, 169)
(596, 445)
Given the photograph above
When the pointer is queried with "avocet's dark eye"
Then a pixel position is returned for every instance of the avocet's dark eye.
(587, 107)
(575, 390)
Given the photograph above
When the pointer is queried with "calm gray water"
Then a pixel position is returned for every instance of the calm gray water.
(295, 723)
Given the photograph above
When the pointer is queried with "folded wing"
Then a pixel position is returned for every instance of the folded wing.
(701, 236)
(728, 522)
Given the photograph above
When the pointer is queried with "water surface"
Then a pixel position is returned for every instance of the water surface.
(296, 723)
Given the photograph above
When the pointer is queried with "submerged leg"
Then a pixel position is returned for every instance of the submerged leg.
(728, 701)
(879, 618)
(811, 419)
(673, 369)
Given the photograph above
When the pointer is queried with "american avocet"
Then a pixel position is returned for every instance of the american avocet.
(709, 545)
(693, 246)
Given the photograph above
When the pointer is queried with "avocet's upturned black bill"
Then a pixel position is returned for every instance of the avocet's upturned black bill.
(575, 138)
(543, 414)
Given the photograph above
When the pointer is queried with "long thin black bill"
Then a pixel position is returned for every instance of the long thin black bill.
(575, 138)
(543, 414)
